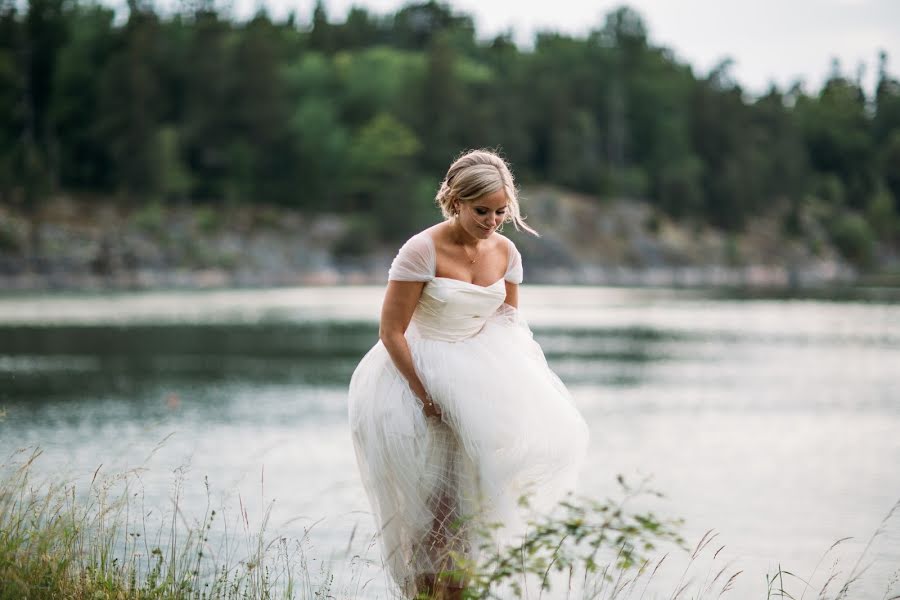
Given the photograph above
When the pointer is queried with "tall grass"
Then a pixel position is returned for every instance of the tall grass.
(60, 542)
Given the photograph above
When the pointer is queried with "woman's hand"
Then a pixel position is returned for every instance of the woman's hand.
(430, 409)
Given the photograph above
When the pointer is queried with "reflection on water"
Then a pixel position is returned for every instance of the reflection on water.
(40, 361)
(773, 421)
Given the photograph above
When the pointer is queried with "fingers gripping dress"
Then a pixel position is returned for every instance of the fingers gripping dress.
(509, 426)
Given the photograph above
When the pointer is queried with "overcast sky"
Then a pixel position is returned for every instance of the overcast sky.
(769, 40)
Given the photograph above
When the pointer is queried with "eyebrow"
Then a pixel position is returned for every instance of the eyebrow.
(504, 207)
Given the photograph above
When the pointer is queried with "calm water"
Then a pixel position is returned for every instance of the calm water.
(774, 422)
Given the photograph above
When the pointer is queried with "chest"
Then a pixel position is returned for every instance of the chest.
(483, 268)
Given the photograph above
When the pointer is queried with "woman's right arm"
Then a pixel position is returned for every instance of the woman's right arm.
(400, 301)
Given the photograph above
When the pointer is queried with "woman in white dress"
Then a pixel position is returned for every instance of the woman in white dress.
(454, 413)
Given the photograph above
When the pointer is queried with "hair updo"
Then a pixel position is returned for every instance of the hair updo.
(474, 174)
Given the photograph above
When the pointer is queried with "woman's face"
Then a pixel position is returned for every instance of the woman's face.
(482, 216)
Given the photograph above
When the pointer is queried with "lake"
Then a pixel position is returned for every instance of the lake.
(774, 422)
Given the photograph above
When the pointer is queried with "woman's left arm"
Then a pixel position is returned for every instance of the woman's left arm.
(512, 294)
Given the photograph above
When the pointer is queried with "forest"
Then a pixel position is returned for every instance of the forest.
(361, 115)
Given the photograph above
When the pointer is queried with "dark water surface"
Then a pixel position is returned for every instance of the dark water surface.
(774, 421)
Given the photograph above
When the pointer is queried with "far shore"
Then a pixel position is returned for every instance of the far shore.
(751, 278)
(73, 244)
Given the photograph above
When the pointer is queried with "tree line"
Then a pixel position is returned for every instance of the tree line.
(363, 115)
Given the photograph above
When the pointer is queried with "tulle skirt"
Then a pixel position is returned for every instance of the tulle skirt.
(509, 444)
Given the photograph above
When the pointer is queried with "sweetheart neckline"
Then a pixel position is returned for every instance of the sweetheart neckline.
(484, 287)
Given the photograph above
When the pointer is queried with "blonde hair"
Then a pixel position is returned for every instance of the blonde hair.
(474, 174)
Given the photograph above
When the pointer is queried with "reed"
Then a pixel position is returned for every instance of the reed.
(60, 542)
(57, 542)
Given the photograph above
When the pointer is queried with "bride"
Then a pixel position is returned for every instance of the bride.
(454, 413)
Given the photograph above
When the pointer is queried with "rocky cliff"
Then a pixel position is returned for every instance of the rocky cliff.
(77, 244)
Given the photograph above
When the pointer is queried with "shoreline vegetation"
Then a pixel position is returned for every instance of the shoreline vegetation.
(97, 245)
(57, 541)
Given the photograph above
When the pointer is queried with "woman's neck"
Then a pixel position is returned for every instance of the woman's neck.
(460, 236)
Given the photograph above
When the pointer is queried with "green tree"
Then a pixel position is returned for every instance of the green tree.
(724, 141)
(322, 35)
(46, 32)
(887, 103)
(259, 108)
(319, 135)
(416, 25)
(129, 105)
(375, 80)
(891, 167)
(886, 129)
(442, 104)
(207, 116)
(85, 159)
(360, 30)
(784, 174)
(836, 130)
(12, 90)
(381, 157)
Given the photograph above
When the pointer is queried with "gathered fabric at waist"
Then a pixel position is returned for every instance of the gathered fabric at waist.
(456, 329)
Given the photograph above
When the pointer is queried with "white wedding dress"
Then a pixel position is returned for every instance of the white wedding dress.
(509, 427)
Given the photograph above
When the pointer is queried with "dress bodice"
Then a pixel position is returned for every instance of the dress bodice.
(450, 309)
(453, 310)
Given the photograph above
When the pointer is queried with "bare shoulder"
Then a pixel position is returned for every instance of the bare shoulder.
(437, 231)
(425, 237)
(503, 241)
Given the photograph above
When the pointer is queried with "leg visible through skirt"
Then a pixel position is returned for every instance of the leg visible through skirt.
(450, 487)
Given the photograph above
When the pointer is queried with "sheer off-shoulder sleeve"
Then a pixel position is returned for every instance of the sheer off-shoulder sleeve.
(514, 272)
(415, 261)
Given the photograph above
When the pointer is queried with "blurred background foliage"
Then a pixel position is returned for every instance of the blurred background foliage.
(362, 117)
